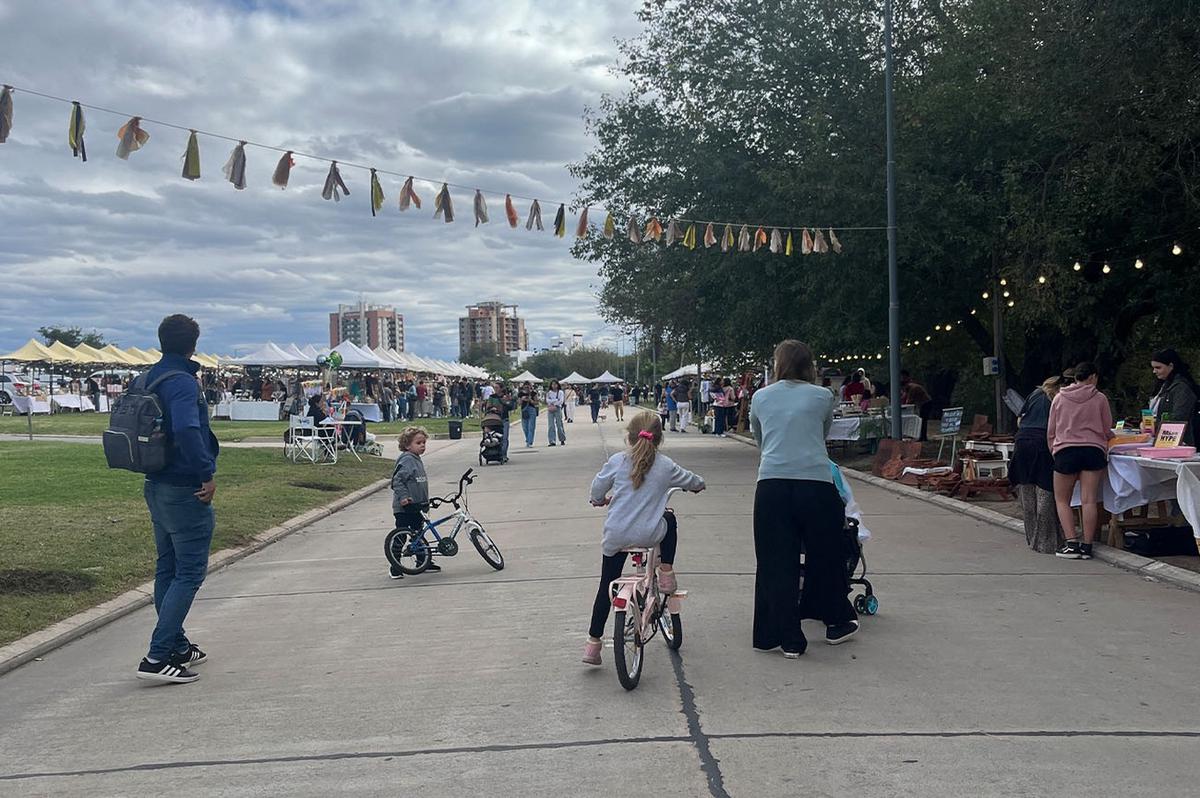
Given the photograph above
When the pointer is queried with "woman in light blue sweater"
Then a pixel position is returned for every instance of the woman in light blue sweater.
(797, 509)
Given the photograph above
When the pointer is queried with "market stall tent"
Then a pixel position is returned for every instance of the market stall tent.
(690, 371)
(525, 376)
(575, 378)
(607, 379)
(31, 352)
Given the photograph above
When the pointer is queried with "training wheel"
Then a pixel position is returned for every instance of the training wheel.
(872, 605)
(860, 604)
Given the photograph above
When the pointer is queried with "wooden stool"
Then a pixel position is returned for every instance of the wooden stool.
(1140, 518)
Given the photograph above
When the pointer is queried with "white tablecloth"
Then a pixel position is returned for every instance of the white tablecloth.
(370, 412)
(1138, 481)
(23, 404)
(253, 411)
(73, 402)
(853, 428)
(222, 409)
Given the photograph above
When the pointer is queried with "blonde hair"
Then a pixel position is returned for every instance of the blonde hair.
(642, 447)
(410, 434)
(1052, 385)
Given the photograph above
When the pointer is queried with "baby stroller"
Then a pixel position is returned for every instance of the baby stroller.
(491, 444)
(866, 602)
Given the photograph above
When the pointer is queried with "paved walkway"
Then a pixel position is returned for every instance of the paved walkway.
(990, 670)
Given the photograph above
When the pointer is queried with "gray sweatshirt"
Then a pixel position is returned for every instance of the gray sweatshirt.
(635, 516)
(409, 482)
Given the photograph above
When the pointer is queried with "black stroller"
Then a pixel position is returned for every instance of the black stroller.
(865, 603)
(491, 444)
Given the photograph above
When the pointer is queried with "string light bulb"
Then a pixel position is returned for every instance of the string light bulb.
(1011, 303)
(1137, 264)
(1003, 281)
(1042, 278)
(973, 311)
(1176, 250)
(928, 337)
(1078, 266)
(1006, 295)
(985, 294)
(879, 356)
(937, 327)
(1106, 269)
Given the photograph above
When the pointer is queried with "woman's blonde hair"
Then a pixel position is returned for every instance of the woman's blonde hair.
(1052, 385)
(409, 434)
(643, 447)
(794, 361)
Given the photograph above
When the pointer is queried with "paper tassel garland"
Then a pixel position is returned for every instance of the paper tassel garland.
(833, 242)
(673, 233)
(535, 216)
(689, 238)
(760, 238)
(335, 187)
(510, 212)
(806, 242)
(481, 214)
(376, 194)
(787, 248)
(283, 170)
(132, 137)
(610, 227)
(710, 237)
(191, 158)
(744, 239)
(75, 132)
(443, 205)
(409, 195)
(581, 228)
(235, 167)
(634, 230)
(6, 113)
(653, 230)
(560, 221)
(819, 244)
(727, 238)
(776, 241)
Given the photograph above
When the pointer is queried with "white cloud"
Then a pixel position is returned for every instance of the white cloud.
(487, 94)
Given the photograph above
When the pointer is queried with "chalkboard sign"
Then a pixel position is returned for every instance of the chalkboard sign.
(952, 420)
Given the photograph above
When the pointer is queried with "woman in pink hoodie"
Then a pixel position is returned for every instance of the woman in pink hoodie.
(1078, 432)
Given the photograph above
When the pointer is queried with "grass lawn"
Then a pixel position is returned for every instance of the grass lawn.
(74, 533)
(94, 424)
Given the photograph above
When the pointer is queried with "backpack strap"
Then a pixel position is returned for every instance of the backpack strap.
(150, 388)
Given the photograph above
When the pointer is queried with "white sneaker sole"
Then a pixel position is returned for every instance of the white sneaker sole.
(844, 638)
(159, 677)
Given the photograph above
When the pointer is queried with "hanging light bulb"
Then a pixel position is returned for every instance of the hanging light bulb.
(985, 294)
(1003, 281)
(928, 337)
(1106, 269)
(1011, 303)
(1176, 250)
(973, 311)
(879, 356)
(1006, 295)
(1041, 279)
(1078, 266)
(1137, 264)
(937, 327)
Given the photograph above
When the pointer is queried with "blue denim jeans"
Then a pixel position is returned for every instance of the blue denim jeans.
(183, 530)
(529, 425)
(554, 425)
(504, 444)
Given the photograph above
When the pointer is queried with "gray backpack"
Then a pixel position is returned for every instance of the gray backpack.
(135, 439)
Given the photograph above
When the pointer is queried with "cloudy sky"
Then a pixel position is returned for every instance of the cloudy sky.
(478, 93)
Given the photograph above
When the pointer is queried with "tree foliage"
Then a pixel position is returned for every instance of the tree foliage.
(72, 336)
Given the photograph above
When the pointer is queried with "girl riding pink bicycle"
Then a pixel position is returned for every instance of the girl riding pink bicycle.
(635, 484)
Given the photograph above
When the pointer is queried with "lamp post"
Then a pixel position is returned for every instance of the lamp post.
(893, 278)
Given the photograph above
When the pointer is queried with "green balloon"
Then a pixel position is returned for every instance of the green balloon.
(335, 359)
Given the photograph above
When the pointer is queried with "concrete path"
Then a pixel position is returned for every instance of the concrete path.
(989, 671)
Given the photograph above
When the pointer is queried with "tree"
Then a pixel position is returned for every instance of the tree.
(72, 336)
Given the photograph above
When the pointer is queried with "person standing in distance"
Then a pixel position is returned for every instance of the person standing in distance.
(180, 502)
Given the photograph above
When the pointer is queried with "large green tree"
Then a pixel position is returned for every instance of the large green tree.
(72, 336)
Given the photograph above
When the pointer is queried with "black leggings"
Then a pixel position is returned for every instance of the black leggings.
(612, 566)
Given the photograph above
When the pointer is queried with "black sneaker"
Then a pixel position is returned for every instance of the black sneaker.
(395, 573)
(1073, 550)
(795, 653)
(433, 567)
(1085, 551)
(193, 656)
(841, 632)
(165, 671)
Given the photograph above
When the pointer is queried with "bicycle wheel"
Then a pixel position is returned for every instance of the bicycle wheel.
(627, 649)
(486, 547)
(672, 629)
(406, 551)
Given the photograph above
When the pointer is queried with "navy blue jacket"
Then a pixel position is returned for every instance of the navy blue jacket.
(194, 448)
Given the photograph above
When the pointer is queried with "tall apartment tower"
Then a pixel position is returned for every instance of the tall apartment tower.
(492, 322)
(368, 326)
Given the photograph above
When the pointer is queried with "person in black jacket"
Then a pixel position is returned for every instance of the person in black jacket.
(1031, 471)
(1174, 400)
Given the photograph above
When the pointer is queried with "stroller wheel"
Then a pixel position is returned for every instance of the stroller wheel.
(872, 605)
(481, 461)
(860, 605)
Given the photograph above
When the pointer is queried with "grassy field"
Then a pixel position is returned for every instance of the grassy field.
(94, 424)
(74, 533)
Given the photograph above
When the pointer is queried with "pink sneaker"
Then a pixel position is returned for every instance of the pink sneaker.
(666, 581)
(591, 652)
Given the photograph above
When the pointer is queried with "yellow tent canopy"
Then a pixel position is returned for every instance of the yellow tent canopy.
(31, 352)
(120, 356)
(154, 353)
(65, 354)
(90, 354)
(141, 357)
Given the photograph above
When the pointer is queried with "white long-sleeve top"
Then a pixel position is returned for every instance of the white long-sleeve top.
(635, 515)
(555, 399)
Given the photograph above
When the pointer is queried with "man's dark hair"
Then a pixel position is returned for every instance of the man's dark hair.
(177, 335)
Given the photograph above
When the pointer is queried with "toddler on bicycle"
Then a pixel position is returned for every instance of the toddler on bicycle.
(638, 480)
(410, 487)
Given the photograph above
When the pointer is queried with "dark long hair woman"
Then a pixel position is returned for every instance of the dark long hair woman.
(1174, 398)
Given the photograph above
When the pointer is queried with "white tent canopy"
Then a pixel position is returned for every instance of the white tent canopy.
(271, 355)
(690, 371)
(575, 378)
(607, 378)
(355, 358)
(525, 376)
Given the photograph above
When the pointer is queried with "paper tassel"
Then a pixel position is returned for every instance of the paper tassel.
(560, 221)
(443, 204)
(760, 238)
(409, 195)
(376, 194)
(833, 241)
(727, 238)
(689, 238)
(744, 239)
(819, 243)
(634, 230)
(787, 249)
(235, 167)
(776, 241)
(132, 138)
(6, 112)
(283, 170)
(806, 242)
(710, 236)
(481, 214)
(335, 187)
(535, 216)
(581, 229)
(653, 230)
(75, 132)
(510, 211)
(673, 233)
(610, 226)
(191, 158)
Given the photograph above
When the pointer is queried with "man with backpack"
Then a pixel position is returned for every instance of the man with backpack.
(179, 496)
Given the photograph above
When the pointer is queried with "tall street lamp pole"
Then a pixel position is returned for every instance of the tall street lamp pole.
(893, 278)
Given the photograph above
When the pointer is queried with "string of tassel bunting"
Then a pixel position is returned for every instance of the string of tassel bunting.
(729, 236)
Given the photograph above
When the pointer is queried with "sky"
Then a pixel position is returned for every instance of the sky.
(478, 93)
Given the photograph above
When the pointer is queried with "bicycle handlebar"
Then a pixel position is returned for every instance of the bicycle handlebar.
(463, 481)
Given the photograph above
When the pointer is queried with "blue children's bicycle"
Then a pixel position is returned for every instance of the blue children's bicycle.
(413, 552)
